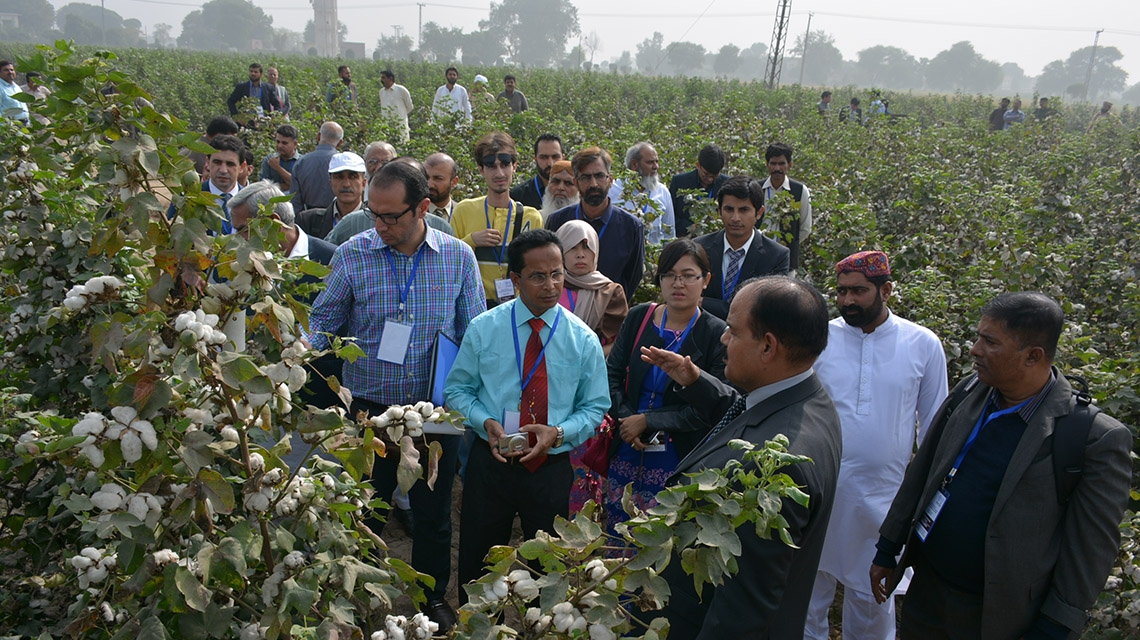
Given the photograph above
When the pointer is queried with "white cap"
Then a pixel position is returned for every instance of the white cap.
(481, 78)
(347, 161)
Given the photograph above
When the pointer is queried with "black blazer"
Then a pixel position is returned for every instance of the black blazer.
(768, 597)
(268, 97)
(682, 421)
(689, 180)
(765, 257)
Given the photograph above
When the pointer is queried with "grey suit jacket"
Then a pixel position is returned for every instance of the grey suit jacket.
(765, 257)
(1040, 556)
(769, 595)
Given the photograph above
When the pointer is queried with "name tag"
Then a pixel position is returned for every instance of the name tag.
(511, 422)
(394, 342)
(926, 522)
(504, 289)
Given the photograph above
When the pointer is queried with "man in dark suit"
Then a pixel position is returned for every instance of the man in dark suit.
(777, 326)
(263, 92)
(1000, 547)
(740, 252)
(707, 177)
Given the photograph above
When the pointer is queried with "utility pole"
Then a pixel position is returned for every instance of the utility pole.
(103, 15)
(803, 54)
(420, 39)
(776, 53)
(1092, 59)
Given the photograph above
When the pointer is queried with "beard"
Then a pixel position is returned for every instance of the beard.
(544, 172)
(595, 196)
(551, 203)
(437, 197)
(860, 317)
(650, 182)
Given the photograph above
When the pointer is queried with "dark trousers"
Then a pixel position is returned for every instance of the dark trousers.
(431, 541)
(494, 492)
(935, 610)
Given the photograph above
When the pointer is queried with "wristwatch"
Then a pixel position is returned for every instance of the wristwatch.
(558, 439)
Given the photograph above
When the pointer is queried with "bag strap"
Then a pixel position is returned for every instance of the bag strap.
(637, 339)
(1070, 434)
(518, 220)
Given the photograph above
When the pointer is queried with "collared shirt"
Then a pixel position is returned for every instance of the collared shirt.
(301, 246)
(728, 247)
(621, 243)
(227, 226)
(443, 212)
(9, 106)
(485, 380)
(283, 99)
(516, 100)
(362, 292)
(396, 103)
(772, 223)
(471, 215)
(760, 394)
(267, 172)
(887, 386)
(359, 222)
(664, 227)
(454, 100)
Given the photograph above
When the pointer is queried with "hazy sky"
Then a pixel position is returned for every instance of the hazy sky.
(1030, 34)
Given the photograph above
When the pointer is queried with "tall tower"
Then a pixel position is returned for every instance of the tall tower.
(779, 39)
(325, 25)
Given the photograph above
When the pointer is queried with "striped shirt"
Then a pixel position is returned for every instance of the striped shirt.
(363, 292)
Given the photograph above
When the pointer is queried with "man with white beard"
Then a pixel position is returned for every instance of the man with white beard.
(561, 191)
(642, 158)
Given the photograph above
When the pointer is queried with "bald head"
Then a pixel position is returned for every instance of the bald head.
(331, 133)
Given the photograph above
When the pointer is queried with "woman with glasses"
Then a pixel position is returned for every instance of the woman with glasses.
(656, 428)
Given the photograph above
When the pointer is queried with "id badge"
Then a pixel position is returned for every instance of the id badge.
(926, 522)
(394, 342)
(511, 422)
(504, 289)
(655, 444)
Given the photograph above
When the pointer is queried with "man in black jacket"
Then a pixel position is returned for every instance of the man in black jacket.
(263, 92)
(706, 176)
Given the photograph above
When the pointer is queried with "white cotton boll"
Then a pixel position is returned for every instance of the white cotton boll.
(611, 584)
(297, 378)
(425, 623)
(182, 322)
(562, 608)
(394, 413)
(220, 290)
(165, 556)
(74, 303)
(108, 498)
(250, 631)
(109, 562)
(562, 622)
(229, 434)
(146, 433)
(137, 507)
(209, 319)
(257, 501)
(107, 613)
(81, 562)
(273, 476)
(526, 589)
(131, 446)
(380, 421)
(500, 588)
(92, 552)
(114, 430)
(91, 424)
(124, 414)
(78, 291)
(256, 462)
(601, 632)
(579, 624)
(425, 409)
(96, 574)
(379, 635)
(278, 372)
(413, 420)
(597, 573)
(216, 337)
(94, 286)
(258, 399)
(294, 560)
(518, 574)
(532, 615)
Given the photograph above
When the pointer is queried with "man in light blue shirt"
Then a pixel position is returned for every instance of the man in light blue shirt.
(487, 385)
(9, 106)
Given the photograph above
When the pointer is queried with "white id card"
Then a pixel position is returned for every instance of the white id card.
(926, 522)
(394, 342)
(504, 289)
(510, 422)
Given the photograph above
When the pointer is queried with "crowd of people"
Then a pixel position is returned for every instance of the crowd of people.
(534, 280)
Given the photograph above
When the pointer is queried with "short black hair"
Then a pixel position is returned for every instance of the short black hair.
(226, 142)
(4, 63)
(247, 156)
(793, 311)
(776, 150)
(341, 68)
(387, 73)
(825, 94)
(855, 102)
(509, 76)
(743, 187)
(451, 69)
(527, 240)
(547, 137)
(672, 253)
(287, 130)
(1033, 317)
(256, 65)
(37, 74)
(220, 125)
(411, 176)
(711, 158)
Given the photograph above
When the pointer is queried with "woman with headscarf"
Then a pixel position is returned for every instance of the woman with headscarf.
(588, 294)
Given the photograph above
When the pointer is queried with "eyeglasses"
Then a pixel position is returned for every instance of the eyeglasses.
(539, 279)
(388, 218)
(685, 278)
(504, 159)
(593, 177)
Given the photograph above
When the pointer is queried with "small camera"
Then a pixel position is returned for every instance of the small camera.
(513, 443)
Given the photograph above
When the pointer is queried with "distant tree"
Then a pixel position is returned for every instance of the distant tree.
(752, 61)
(889, 67)
(727, 59)
(394, 47)
(84, 23)
(624, 64)
(83, 31)
(532, 32)
(1063, 76)
(36, 18)
(961, 68)
(132, 32)
(823, 61)
(1132, 96)
(162, 35)
(310, 33)
(591, 43)
(439, 44)
(687, 58)
(287, 40)
(225, 24)
(650, 53)
(483, 48)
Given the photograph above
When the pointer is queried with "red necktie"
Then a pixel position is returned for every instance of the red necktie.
(532, 406)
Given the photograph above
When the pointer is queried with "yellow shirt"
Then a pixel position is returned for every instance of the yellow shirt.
(471, 215)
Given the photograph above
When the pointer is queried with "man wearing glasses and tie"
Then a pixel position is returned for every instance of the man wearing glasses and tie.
(394, 288)
(489, 223)
(531, 380)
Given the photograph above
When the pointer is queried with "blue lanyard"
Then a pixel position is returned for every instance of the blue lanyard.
(506, 229)
(518, 353)
(411, 276)
(657, 377)
(538, 186)
(578, 216)
(571, 297)
(983, 420)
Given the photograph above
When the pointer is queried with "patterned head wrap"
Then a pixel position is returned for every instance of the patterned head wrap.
(868, 263)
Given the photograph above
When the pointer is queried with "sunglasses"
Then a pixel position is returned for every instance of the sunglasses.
(504, 159)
